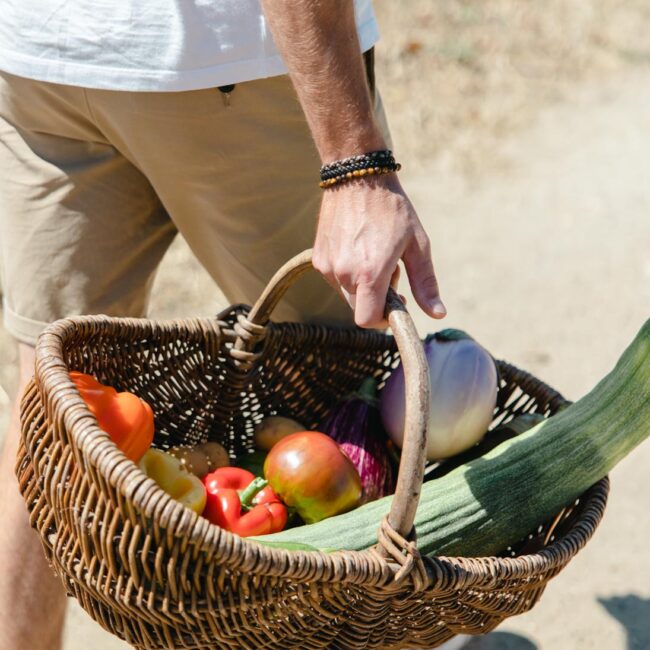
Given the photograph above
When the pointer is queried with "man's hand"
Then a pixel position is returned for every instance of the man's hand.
(366, 226)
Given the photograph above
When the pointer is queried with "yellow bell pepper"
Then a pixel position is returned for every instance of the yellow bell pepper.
(168, 472)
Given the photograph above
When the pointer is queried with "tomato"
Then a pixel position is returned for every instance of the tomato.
(310, 473)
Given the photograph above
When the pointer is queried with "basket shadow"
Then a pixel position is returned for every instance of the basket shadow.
(633, 613)
(501, 641)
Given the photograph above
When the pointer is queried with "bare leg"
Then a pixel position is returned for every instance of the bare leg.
(32, 600)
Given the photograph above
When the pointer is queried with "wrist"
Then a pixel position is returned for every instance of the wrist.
(376, 187)
(345, 170)
(350, 142)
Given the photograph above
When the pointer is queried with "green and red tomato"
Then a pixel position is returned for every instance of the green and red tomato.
(311, 474)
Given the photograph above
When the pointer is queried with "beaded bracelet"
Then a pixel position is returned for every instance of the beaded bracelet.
(373, 162)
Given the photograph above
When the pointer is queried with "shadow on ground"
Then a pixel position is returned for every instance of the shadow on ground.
(501, 641)
(633, 613)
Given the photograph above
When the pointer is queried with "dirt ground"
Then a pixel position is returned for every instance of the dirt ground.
(540, 223)
(464, 74)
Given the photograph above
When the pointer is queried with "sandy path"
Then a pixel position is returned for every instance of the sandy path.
(546, 261)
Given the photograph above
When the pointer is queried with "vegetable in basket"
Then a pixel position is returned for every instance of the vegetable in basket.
(493, 501)
(272, 429)
(310, 473)
(166, 470)
(504, 432)
(356, 425)
(126, 418)
(463, 379)
(252, 461)
(243, 504)
(203, 458)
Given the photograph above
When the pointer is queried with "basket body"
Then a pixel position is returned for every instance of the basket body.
(158, 576)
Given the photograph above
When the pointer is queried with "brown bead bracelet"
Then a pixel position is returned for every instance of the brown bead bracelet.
(367, 164)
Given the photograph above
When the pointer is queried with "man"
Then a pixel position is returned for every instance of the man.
(123, 123)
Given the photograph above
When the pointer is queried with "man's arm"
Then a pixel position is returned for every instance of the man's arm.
(367, 225)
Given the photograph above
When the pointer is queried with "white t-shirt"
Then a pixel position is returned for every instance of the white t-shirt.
(146, 45)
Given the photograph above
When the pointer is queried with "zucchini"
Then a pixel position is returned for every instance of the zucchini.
(495, 500)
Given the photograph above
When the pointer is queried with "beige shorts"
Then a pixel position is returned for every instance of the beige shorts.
(95, 184)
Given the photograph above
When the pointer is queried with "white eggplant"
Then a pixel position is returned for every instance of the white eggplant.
(463, 379)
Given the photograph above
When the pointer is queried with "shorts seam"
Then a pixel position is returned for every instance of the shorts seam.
(26, 330)
(89, 108)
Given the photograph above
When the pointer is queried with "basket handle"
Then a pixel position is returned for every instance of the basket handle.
(416, 379)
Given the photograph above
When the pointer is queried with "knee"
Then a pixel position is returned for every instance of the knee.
(26, 359)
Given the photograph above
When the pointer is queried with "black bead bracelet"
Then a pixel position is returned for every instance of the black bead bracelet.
(373, 162)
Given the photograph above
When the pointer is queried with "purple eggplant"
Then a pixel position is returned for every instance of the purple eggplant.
(356, 425)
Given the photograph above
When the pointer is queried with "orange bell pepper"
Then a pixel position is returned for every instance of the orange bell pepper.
(169, 474)
(126, 418)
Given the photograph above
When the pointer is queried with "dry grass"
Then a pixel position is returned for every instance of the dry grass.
(456, 75)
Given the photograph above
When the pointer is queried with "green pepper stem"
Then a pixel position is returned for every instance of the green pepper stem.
(368, 391)
(247, 495)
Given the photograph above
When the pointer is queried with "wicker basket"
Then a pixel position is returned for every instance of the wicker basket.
(158, 576)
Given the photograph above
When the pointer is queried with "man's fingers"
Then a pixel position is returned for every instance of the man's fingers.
(371, 302)
(422, 278)
(322, 264)
(365, 293)
(394, 281)
(350, 298)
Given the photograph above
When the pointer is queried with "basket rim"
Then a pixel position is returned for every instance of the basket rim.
(92, 446)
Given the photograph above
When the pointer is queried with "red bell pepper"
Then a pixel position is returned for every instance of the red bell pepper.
(243, 504)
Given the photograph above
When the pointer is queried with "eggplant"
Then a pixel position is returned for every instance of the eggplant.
(464, 382)
(356, 425)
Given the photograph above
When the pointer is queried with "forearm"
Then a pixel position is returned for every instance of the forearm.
(318, 42)
(367, 225)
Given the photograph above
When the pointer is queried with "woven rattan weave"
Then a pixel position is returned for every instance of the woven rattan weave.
(159, 576)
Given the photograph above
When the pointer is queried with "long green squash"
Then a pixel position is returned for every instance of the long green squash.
(482, 507)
